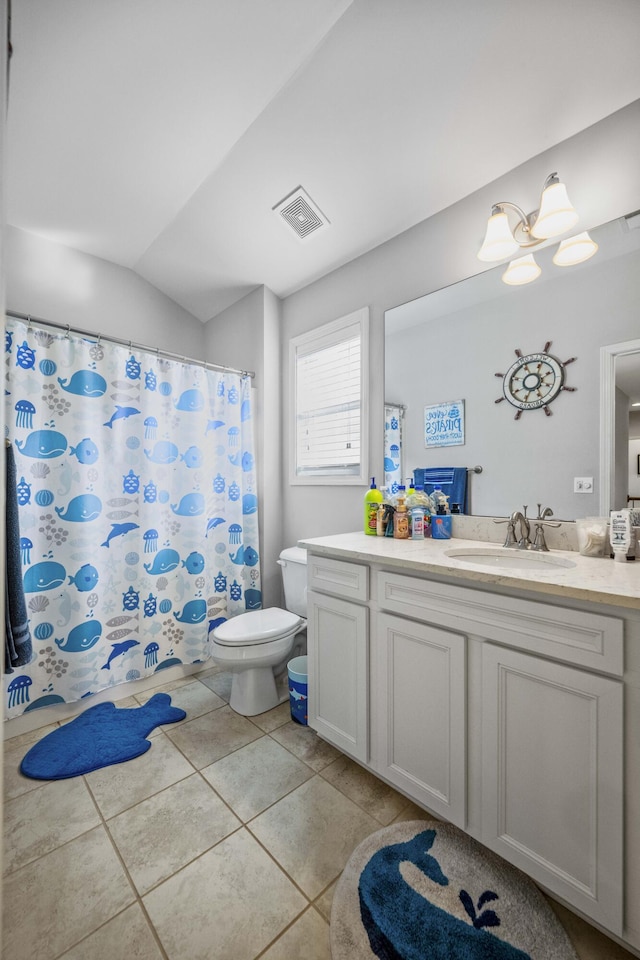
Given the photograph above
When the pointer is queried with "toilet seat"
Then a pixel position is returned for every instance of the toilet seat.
(256, 627)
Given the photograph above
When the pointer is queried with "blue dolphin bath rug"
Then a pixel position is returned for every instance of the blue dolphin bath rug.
(424, 890)
(99, 737)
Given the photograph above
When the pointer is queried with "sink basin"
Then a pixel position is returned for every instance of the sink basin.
(512, 559)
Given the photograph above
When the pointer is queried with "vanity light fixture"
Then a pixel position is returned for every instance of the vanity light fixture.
(554, 216)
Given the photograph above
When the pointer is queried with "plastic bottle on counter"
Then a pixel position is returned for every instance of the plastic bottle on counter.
(401, 520)
(440, 500)
(373, 498)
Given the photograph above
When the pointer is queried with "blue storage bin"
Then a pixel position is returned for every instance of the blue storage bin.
(298, 678)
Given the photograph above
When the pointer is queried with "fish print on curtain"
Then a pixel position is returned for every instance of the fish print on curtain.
(137, 506)
(392, 447)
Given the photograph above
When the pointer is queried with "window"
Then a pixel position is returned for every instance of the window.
(329, 370)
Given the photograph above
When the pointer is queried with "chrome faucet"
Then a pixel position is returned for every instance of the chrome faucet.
(525, 529)
(520, 520)
(539, 542)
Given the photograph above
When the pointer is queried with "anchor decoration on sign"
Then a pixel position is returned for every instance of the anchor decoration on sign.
(534, 380)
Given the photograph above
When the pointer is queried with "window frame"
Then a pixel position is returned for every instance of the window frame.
(322, 337)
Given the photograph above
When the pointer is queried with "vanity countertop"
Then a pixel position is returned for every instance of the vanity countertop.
(592, 579)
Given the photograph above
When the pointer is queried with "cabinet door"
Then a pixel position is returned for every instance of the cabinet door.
(552, 781)
(338, 649)
(420, 711)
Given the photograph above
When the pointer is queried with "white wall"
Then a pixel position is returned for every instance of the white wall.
(603, 176)
(54, 282)
(247, 336)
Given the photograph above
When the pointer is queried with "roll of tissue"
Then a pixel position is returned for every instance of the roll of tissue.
(593, 536)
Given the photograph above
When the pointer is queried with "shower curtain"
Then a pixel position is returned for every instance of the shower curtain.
(137, 510)
(393, 414)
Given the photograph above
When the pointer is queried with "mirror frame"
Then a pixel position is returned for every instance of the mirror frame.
(608, 355)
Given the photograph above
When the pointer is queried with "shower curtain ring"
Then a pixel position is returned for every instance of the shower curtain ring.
(28, 321)
(66, 336)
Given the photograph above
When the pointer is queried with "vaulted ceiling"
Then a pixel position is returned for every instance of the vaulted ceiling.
(160, 134)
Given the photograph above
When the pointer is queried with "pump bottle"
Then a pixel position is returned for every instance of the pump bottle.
(372, 500)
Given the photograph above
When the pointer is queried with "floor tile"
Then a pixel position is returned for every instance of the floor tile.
(308, 938)
(127, 937)
(42, 820)
(413, 812)
(208, 738)
(227, 905)
(312, 832)
(167, 831)
(588, 942)
(378, 799)
(325, 900)
(15, 783)
(30, 737)
(118, 787)
(306, 745)
(254, 777)
(51, 904)
(194, 698)
(273, 718)
(219, 682)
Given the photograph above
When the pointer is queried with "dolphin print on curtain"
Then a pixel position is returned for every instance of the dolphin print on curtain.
(138, 510)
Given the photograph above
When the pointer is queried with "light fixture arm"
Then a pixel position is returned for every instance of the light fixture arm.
(522, 231)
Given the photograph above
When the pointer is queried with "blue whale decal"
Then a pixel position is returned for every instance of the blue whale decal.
(81, 509)
(163, 452)
(82, 637)
(191, 400)
(163, 562)
(44, 444)
(191, 505)
(85, 383)
(194, 612)
(44, 576)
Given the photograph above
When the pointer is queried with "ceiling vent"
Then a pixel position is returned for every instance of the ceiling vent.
(301, 213)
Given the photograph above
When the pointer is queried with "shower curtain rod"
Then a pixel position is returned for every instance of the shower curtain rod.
(27, 318)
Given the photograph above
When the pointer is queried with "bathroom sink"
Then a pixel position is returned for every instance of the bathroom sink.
(513, 559)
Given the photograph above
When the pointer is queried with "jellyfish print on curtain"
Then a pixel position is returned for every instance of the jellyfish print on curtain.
(393, 414)
(137, 507)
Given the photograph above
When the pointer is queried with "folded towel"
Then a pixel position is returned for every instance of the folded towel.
(451, 480)
(18, 647)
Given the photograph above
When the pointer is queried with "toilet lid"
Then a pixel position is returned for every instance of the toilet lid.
(257, 626)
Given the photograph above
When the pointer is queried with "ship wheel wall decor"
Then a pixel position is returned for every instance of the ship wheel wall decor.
(534, 380)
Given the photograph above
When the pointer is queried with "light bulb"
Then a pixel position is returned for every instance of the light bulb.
(523, 270)
(575, 250)
(556, 214)
(498, 241)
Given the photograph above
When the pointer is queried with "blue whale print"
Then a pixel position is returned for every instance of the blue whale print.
(401, 922)
(249, 503)
(86, 451)
(191, 400)
(163, 562)
(81, 509)
(82, 637)
(191, 505)
(44, 444)
(85, 383)
(163, 452)
(194, 612)
(253, 599)
(44, 576)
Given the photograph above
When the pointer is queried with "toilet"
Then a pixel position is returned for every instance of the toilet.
(257, 646)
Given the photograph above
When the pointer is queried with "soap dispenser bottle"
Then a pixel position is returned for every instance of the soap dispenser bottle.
(401, 521)
(373, 499)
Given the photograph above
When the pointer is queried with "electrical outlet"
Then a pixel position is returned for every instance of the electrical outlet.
(583, 484)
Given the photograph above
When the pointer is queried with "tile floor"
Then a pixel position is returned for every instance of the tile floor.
(222, 842)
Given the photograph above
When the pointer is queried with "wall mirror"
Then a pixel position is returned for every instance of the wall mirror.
(458, 343)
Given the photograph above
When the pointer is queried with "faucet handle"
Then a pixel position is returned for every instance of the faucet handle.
(510, 540)
(543, 514)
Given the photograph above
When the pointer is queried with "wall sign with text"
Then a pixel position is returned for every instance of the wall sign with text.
(444, 424)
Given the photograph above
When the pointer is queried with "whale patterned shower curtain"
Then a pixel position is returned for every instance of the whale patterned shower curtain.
(137, 506)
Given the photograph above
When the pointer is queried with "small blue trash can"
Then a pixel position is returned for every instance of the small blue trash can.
(297, 670)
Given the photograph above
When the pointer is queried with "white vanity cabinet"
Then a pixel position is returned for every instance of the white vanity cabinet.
(501, 714)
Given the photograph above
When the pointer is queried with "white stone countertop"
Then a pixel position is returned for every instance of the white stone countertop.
(590, 579)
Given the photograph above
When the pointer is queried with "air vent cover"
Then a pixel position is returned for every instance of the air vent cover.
(301, 213)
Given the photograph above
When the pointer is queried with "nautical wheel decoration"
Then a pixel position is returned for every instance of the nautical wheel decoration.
(534, 381)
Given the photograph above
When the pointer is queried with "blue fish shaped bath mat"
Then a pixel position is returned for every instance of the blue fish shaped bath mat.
(99, 737)
(424, 890)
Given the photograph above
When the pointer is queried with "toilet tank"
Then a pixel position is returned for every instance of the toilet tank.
(293, 563)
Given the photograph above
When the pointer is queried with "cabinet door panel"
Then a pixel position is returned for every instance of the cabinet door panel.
(338, 651)
(421, 710)
(552, 777)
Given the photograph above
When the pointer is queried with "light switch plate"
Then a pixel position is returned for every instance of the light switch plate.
(583, 484)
